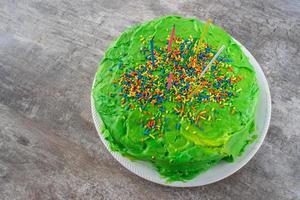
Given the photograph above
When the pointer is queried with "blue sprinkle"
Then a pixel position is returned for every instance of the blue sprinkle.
(213, 67)
(140, 75)
(217, 85)
(120, 65)
(201, 55)
(187, 85)
(178, 126)
(146, 132)
(162, 108)
(227, 60)
(144, 68)
(207, 50)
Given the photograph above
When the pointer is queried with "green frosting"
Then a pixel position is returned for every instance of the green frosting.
(178, 147)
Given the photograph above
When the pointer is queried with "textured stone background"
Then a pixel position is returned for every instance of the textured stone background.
(49, 52)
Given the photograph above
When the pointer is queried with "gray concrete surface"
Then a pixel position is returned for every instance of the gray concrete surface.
(49, 50)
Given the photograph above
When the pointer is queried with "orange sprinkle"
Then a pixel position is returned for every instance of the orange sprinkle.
(151, 123)
(182, 108)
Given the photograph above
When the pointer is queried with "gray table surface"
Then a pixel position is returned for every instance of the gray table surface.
(49, 51)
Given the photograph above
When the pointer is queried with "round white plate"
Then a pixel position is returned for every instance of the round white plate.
(221, 170)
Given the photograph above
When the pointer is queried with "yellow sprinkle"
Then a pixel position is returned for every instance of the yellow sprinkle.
(151, 136)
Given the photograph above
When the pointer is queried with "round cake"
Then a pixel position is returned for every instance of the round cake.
(178, 93)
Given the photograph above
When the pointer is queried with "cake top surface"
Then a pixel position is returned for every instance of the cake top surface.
(156, 106)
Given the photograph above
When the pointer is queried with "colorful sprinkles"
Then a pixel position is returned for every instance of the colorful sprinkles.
(171, 77)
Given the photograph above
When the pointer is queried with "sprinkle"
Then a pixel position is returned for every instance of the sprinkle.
(151, 123)
(152, 136)
(178, 126)
(146, 132)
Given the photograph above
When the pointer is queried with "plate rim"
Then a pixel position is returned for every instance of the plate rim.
(254, 148)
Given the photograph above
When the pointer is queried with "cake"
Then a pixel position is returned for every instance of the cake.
(161, 101)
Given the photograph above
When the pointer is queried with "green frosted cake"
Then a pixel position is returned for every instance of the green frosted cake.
(162, 101)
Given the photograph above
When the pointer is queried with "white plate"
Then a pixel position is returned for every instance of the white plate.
(221, 170)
